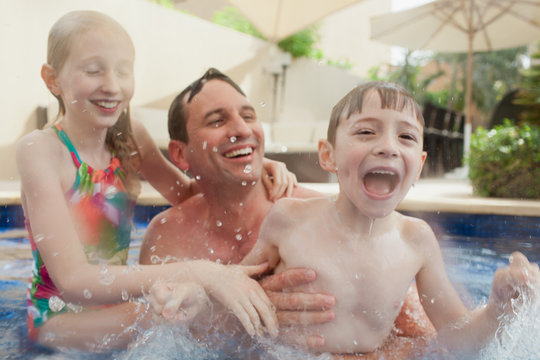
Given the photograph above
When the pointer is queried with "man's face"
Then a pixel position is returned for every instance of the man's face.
(226, 142)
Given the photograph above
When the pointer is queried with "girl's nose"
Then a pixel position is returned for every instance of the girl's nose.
(111, 83)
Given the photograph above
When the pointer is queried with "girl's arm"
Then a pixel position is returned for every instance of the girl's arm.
(39, 159)
(164, 176)
(175, 186)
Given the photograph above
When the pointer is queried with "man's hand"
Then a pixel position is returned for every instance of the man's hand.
(298, 308)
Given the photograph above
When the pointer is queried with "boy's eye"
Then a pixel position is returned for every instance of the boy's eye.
(365, 132)
(409, 137)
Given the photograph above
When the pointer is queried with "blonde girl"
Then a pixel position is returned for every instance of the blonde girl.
(80, 180)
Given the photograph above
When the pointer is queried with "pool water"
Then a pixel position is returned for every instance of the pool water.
(471, 263)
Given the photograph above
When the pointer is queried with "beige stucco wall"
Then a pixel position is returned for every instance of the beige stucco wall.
(172, 49)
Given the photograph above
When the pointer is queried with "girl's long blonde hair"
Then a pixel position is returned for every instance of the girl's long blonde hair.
(63, 34)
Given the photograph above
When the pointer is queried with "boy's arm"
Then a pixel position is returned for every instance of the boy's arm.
(460, 329)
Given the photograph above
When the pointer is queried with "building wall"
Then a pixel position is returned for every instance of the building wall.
(172, 49)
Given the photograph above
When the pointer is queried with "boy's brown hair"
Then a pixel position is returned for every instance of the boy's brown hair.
(392, 97)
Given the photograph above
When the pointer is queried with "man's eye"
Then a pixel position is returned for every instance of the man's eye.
(215, 123)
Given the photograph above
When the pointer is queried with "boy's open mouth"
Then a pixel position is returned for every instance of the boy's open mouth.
(380, 182)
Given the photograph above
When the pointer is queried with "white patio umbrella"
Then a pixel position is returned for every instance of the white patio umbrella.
(278, 19)
(461, 26)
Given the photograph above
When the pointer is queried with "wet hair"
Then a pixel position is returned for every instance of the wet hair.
(392, 97)
(62, 36)
(178, 111)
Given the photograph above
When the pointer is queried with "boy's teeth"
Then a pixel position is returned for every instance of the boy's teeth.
(238, 152)
(383, 172)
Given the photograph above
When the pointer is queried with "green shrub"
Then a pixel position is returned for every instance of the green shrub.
(505, 161)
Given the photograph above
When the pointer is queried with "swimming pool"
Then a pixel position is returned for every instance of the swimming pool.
(473, 247)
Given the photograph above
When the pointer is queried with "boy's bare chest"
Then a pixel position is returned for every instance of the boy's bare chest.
(369, 282)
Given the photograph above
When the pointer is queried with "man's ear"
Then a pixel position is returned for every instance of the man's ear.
(177, 152)
(48, 74)
(326, 156)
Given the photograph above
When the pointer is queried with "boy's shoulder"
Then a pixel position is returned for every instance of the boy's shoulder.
(293, 209)
(414, 228)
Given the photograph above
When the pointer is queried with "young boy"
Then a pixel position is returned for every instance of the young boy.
(366, 253)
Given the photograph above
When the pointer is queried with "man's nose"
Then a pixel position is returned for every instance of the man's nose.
(238, 127)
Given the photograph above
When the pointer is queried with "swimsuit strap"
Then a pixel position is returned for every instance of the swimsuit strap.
(114, 163)
(65, 139)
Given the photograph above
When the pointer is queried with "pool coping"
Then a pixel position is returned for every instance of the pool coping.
(428, 195)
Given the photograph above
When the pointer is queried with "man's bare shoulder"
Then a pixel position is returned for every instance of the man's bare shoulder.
(168, 233)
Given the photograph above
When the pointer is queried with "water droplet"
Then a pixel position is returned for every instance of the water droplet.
(74, 101)
(163, 221)
(154, 259)
(211, 250)
(244, 183)
(372, 221)
(262, 104)
(152, 248)
(253, 183)
(214, 149)
(198, 177)
(238, 237)
(355, 342)
(56, 304)
(283, 148)
(233, 139)
(74, 307)
(248, 169)
(218, 261)
(125, 295)
(39, 237)
(204, 145)
(87, 294)
(30, 143)
(219, 223)
(111, 192)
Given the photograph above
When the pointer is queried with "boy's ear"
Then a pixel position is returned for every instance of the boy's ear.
(424, 156)
(326, 156)
(48, 74)
(177, 152)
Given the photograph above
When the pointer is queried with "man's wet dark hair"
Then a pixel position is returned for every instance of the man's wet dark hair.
(178, 112)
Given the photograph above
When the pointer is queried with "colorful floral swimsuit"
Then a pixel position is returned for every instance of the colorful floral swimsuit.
(102, 211)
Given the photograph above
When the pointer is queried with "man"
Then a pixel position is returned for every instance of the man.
(215, 135)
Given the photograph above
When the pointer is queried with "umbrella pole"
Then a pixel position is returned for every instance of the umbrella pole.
(468, 100)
